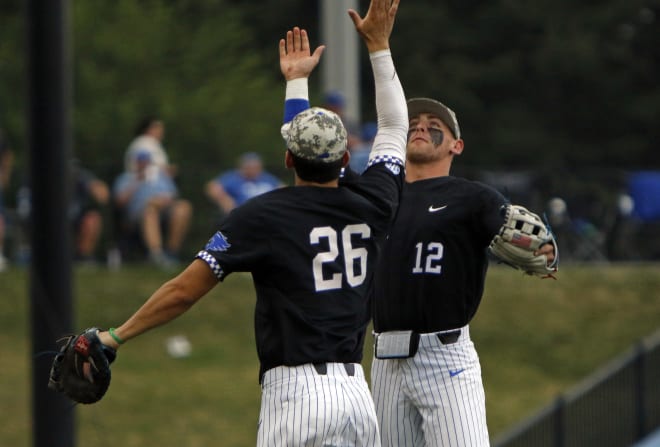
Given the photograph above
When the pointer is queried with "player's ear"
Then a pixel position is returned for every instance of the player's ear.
(288, 160)
(345, 159)
(457, 147)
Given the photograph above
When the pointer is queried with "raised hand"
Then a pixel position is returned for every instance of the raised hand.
(296, 59)
(376, 27)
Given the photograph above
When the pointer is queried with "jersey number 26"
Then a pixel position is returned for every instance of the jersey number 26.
(352, 256)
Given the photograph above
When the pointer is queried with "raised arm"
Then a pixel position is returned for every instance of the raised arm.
(375, 29)
(296, 63)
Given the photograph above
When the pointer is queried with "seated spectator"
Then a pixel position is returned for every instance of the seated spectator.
(149, 202)
(149, 136)
(89, 195)
(232, 188)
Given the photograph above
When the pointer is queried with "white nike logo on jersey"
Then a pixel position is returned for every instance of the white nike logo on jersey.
(433, 209)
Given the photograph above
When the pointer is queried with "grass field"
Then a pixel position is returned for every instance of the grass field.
(536, 338)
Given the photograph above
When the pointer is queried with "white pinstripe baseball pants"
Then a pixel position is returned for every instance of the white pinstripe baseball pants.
(300, 407)
(435, 398)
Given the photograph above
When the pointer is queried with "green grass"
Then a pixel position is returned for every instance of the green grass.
(536, 338)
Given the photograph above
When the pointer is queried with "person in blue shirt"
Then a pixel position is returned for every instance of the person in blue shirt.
(149, 201)
(233, 188)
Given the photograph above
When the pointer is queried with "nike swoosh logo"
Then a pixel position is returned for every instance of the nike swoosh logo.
(433, 209)
(455, 372)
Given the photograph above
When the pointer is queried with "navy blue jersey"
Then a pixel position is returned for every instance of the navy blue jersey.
(432, 271)
(311, 252)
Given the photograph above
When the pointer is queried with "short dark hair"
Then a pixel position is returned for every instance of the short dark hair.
(315, 170)
(144, 124)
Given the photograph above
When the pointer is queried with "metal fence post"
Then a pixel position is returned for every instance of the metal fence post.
(640, 389)
(559, 428)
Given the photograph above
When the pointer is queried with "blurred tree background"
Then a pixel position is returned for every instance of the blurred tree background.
(556, 88)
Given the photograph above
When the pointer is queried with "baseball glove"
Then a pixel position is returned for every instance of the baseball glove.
(522, 233)
(81, 370)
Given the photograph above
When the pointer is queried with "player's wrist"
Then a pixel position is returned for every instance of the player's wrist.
(105, 338)
(373, 47)
(297, 89)
(111, 338)
(380, 53)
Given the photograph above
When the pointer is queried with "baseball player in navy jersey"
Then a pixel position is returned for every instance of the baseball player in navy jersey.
(311, 251)
(426, 376)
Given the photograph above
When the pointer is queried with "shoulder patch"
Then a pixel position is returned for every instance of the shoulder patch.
(217, 243)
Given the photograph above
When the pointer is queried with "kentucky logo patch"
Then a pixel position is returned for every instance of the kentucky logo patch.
(218, 243)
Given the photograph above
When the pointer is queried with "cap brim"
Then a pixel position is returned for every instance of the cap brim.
(417, 106)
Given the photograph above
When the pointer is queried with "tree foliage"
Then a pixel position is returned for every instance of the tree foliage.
(194, 63)
(547, 86)
(539, 84)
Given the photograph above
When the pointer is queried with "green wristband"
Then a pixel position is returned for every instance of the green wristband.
(114, 336)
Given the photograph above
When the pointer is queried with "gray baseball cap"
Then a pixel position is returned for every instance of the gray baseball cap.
(316, 134)
(428, 105)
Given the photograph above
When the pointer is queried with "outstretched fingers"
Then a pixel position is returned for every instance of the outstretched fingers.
(376, 26)
(297, 40)
(381, 7)
(296, 61)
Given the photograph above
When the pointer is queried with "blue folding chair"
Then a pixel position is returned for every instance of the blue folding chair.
(644, 189)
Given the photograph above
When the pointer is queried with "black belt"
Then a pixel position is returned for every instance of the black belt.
(322, 368)
(447, 338)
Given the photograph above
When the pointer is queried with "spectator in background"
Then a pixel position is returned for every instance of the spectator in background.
(148, 200)
(89, 196)
(232, 188)
(149, 136)
(360, 152)
(6, 165)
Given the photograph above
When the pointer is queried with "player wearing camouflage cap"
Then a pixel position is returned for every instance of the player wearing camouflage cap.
(311, 250)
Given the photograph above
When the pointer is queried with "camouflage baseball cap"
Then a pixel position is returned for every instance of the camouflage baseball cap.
(316, 134)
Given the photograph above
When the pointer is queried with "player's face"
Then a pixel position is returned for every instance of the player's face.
(429, 139)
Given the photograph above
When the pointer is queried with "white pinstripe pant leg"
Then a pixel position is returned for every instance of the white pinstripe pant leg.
(449, 390)
(399, 420)
(299, 407)
(433, 399)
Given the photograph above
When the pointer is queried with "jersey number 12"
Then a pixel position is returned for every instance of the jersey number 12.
(428, 261)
